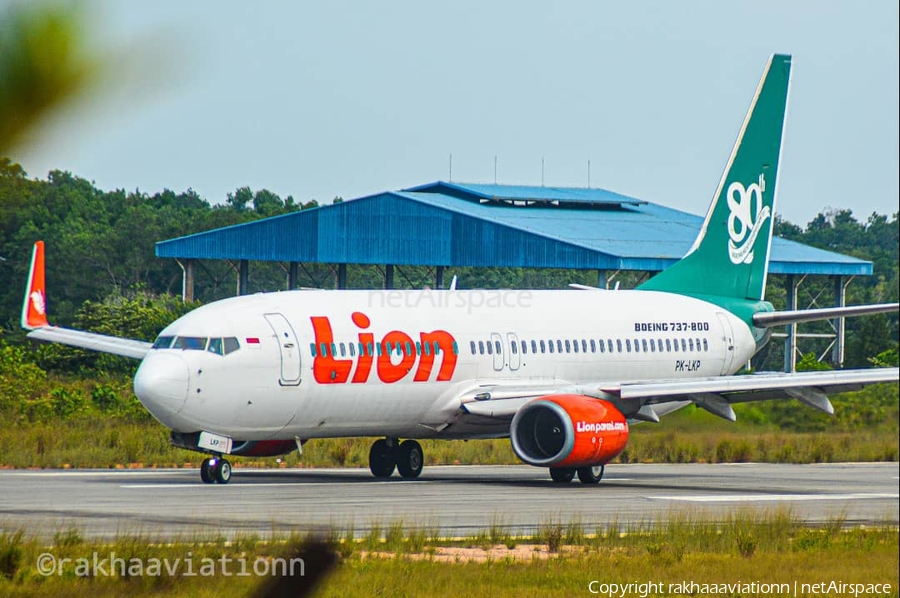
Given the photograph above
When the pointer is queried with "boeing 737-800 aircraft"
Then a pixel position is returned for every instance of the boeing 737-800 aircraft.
(562, 374)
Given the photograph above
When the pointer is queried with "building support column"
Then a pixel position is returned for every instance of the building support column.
(439, 277)
(790, 343)
(342, 276)
(187, 280)
(243, 277)
(389, 276)
(293, 272)
(602, 280)
(840, 297)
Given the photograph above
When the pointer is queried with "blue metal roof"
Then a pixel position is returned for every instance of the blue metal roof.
(457, 224)
(520, 194)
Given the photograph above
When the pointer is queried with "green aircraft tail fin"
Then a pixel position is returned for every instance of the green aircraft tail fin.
(730, 256)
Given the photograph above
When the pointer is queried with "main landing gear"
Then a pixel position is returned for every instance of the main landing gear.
(386, 454)
(586, 475)
(215, 470)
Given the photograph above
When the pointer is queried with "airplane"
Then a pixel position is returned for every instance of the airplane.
(562, 373)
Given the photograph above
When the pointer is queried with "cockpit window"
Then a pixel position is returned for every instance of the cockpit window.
(215, 346)
(231, 344)
(163, 342)
(190, 343)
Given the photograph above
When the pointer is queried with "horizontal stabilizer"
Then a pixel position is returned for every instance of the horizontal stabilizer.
(779, 318)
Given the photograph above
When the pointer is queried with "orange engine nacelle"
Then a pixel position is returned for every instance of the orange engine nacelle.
(568, 431)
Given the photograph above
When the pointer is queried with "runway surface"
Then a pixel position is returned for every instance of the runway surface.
(460, 500)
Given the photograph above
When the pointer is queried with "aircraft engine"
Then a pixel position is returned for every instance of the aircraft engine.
(568, 431)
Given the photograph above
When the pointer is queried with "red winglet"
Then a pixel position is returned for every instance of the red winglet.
(34, 308)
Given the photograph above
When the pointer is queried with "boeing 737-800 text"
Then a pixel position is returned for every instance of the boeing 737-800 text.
(562, 373)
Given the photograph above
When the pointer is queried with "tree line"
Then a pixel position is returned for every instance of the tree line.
(101, 266)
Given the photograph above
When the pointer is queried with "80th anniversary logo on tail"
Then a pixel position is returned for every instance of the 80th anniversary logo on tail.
(746, 219)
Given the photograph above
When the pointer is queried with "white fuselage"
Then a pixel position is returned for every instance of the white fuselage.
(308, 363)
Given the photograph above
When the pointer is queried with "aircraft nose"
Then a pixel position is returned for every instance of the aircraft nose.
(161, 384)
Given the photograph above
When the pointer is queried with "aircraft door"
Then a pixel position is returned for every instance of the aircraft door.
(497, 342)
(290, 349)
(514, 357)
(728, 337)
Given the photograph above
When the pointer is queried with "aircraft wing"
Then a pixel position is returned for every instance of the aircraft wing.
(34, 318)
(125, 347)
(646, 400)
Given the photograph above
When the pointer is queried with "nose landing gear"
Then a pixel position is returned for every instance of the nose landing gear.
(386, 454)
(215, 470)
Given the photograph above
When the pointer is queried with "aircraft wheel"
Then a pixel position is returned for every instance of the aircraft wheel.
(206, 473)
(591, 475)
(410, 459)
(562, 475)
(222, 472)
(381, 459)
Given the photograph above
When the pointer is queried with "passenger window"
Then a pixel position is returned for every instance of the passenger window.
(668, 346)
(619, 345)
(380, 349)
(231, 344)
(333, 350)
(409, 348)
(343, 352)
(628, 344)
(637, 346)
(550, 346)
(602, 346)
(705, 346)
(419, 348)
(609, 345)
(542, 347)
(691, 344)
(652, 346)
(683, 346)
(514, 347)
(524, 347)
(471, 346)
(352, 347)
(371, 351)
(558, 346)
(455, 348)
(215, 346)
(481, 347)
(593, 346)
(163, 342)
(497, 347)
(644, 344)
(312, 349)
(490, 348)
(568, 346)
(584, 346)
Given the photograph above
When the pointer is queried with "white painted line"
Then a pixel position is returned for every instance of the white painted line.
(252, 485)
(773, 497)
(100, 472)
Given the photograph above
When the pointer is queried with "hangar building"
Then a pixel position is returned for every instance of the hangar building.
(450, 224)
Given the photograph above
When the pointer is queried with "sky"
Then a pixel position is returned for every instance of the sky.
(350, 98)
